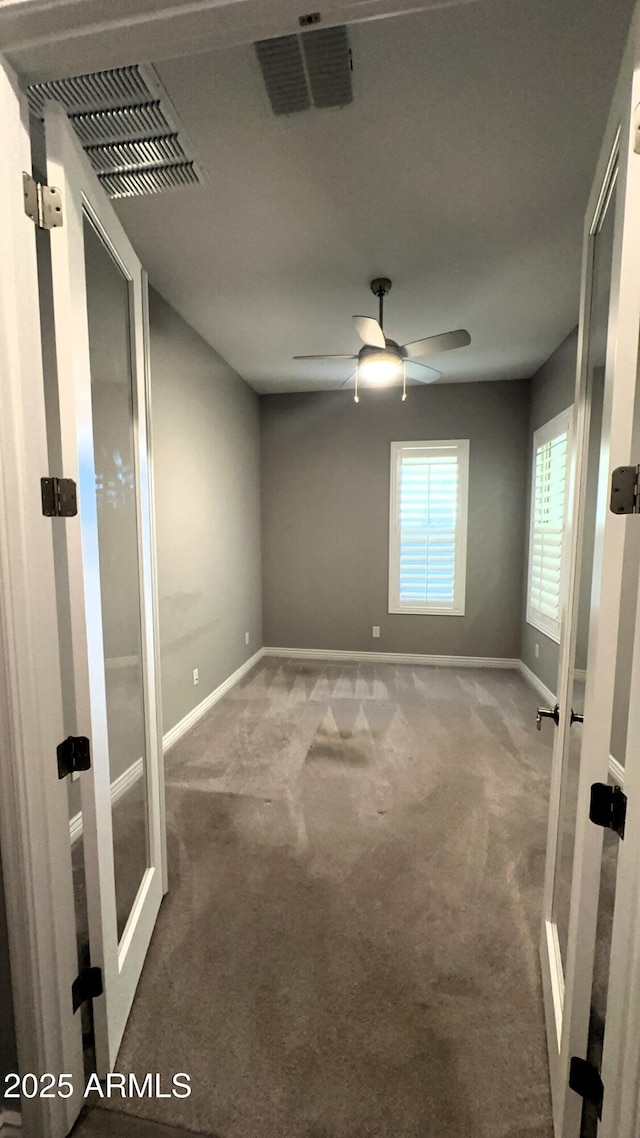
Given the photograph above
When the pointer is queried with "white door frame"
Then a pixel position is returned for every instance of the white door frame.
(568, 998)
(34, 823)
(121, 962)
(621, 1055)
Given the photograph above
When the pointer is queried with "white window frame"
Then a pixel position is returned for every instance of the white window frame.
(560, 424)
(398, 449)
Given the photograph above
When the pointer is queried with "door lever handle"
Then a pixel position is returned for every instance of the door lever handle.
(548, 713)
(575, 718)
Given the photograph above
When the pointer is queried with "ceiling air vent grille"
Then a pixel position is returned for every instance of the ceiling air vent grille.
(123, 123)
(283, 72)
(135, 183)
(137, 153)
(305, 70)
(102, 89)
(128, 128)
(328, 59)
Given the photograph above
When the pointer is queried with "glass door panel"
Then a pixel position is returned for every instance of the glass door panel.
(99, 310)
(601, 290)
(112, 401)
(624, 653)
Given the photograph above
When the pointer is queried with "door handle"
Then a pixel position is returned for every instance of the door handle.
(548, 713)
(575, 718)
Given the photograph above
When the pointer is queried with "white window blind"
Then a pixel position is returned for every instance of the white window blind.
(548, 494)
(428, 527)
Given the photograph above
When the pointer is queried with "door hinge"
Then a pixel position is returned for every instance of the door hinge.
(636, 129)
(43, 204)
(624, 490)
(585, 1080)
(59, 497)
(74, 754)
(86, 986)
(608, 807)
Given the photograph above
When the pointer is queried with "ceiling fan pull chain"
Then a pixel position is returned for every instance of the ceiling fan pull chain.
(404, 380)
(356, 397)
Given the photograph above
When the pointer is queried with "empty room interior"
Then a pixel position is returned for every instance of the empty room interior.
(311, 609)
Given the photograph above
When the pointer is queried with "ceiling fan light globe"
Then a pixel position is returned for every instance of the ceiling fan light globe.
(380, 368)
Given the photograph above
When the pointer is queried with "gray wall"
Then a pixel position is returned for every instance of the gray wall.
(206, 448)
(552, 391)
(325, 508)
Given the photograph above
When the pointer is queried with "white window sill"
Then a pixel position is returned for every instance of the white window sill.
(425, 611)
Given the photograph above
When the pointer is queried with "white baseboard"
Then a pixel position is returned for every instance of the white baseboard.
(10, 1123)
(189, 721)
(119, 786)
(394, 658)
(537, 683)
(123, 782)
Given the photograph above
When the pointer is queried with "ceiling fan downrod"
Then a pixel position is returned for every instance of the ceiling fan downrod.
(380, 287)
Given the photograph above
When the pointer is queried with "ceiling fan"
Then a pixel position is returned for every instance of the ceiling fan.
(382, 360)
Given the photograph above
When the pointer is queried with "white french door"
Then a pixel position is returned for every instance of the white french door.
(99, 303)
(596, 748)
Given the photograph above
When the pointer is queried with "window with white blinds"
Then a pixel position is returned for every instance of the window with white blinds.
(548, 494)
(428, 527)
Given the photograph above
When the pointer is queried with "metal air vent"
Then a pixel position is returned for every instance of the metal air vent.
(135, 183)
(123, 123)
(328, 59)
(283, 73)
(134, 154)
(305, 70)
(128, 128)
(114, 88)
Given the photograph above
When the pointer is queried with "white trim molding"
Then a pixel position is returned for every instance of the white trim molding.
(417, 468)
(548, 507)
(616, 771)
(536, 682)
(171, 737)
(394, 658)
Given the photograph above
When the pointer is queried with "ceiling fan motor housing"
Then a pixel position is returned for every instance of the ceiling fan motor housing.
(392, 349)
(380, 286)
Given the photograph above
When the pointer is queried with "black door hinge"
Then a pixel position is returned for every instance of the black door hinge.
(86, 986)
(608, 807)
(585, 1080)
(74, 754)
(59, 497)
(624, 490)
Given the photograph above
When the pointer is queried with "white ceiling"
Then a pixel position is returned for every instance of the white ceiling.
(461, 170)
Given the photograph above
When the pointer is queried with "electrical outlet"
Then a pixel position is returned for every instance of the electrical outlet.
(375, 631)
(537, 651)
(196, 677)
(246, 637)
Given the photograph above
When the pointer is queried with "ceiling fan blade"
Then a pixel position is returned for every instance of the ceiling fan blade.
(347, 380)
(433, 345)
(370, 331)
(324, 357)
(429, 373)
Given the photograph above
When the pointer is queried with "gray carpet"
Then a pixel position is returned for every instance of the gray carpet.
(349, 945)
